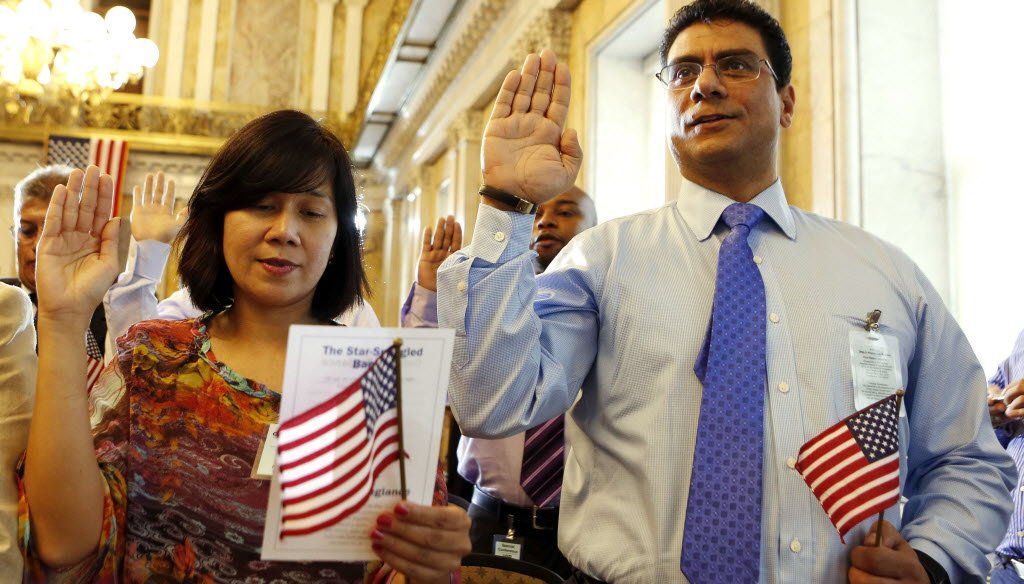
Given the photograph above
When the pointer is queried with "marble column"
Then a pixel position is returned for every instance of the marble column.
(353, 46)
(322, 54)
(465, 137)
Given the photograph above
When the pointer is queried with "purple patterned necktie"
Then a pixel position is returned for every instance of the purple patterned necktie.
(722, 535)
(543, 463)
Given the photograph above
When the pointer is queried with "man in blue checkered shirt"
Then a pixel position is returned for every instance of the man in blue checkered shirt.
(1006, 407)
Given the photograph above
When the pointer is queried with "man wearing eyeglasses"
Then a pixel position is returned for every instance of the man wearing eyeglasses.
(31, 197)
(712, 338)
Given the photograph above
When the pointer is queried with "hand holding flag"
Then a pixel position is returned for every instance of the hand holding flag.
(891, 559)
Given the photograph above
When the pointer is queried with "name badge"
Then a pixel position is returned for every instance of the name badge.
(508, 546)
(266, 456)
(875, 362)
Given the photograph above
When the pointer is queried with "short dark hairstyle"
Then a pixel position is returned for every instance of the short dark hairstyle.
(742, 11)
(281, 152)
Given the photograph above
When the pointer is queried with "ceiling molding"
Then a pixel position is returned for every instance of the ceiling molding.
(468, 71)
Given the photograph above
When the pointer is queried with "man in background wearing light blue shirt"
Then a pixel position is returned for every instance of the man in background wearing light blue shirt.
(623, 312)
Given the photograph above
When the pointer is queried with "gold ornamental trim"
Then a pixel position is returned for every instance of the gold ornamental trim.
(149, 123)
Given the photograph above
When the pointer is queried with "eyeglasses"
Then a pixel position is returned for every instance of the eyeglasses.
(25, 233)
(731, 69)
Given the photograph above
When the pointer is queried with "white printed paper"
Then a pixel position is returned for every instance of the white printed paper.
(875, 361)
(321, 362)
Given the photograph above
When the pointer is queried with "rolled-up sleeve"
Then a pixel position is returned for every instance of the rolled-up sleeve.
(959, 477)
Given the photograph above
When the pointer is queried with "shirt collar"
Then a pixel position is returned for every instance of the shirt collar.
(701, 208)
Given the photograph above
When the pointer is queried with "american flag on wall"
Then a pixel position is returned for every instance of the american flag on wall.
(853, 468)
(330, 455)
(109, 154)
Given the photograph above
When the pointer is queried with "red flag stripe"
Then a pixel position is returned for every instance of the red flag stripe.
(808, 461)
(346, 512)
(884, 499)
(93, 370)
(357, 456)
(289, 435)
(302, 479)
(825, 437)
(867, 471)
(363, 464)
(842, 497)
(333, 446)
(822, 481)
(360, 462)
(318, 471)
(838, 461)
(334, 500)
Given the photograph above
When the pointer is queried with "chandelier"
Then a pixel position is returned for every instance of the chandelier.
(51, 49)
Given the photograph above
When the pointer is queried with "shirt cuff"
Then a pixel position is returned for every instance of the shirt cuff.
(150, 259)
(936, 562)
(500, 235)
(420, 305)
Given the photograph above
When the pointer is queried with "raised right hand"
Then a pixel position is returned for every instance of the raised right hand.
(437, 246)
(153, 210)
(77, 257)
(526, 149)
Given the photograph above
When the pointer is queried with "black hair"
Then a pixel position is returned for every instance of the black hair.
(281, 152)
(742, 11)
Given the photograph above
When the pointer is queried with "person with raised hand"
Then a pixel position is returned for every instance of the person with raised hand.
(149, 477)
(154, 225)
(712, 338)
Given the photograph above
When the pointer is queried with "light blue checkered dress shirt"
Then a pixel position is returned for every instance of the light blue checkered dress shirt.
(622, 312)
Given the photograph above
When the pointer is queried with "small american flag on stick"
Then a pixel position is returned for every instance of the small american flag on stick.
(109, 154)
(853, 468)
(330, 455)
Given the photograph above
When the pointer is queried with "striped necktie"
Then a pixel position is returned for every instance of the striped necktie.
(543, 462)
(722, 534)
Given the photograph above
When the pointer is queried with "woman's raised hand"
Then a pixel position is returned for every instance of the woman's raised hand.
(77, 258)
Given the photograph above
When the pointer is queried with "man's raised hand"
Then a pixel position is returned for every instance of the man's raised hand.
(526, 149)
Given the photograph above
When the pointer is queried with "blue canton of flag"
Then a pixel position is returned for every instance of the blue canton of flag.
(73, 152)
(875, 431)
(379, 389)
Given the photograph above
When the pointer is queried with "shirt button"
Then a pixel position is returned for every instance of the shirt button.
(784, 387)
(791, 463)
(758, 259)
(773, 317)
(1020, 534)
(795, 546)
(499, 236)
(462, 286)
(1022, 489)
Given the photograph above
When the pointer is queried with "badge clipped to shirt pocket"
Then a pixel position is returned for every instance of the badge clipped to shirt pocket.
(875, 363)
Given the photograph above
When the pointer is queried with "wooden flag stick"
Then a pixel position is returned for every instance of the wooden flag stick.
(398, 398)
(881, 514)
